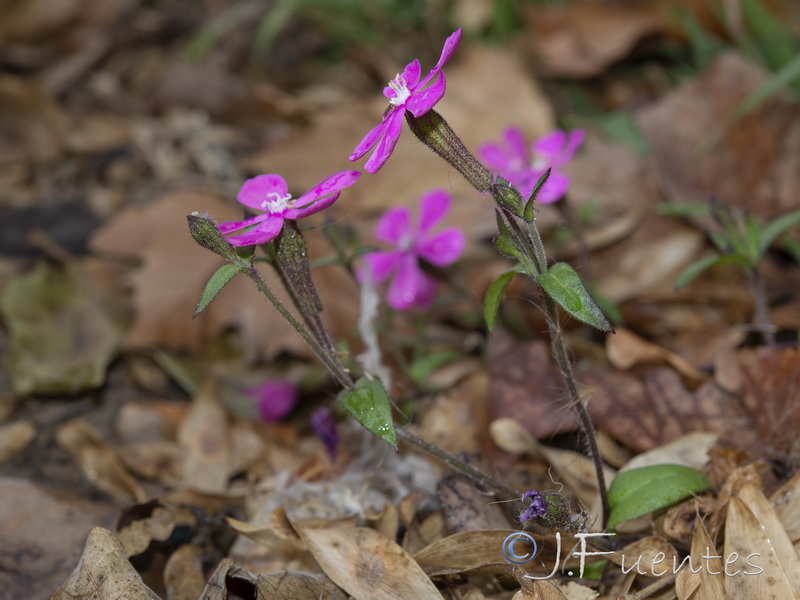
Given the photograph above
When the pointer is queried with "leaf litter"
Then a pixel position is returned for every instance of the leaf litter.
(221, 506)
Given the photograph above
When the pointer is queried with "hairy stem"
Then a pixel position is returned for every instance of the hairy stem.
(479, 477)
(584, 420)
(330, 361)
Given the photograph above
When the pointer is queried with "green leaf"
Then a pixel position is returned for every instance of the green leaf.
(776, 228)
(697, 267)
(564, 285)
(369, 405)
(529, 213)
(640, 491)
(218, 280)
(751, 237)
(494, 295)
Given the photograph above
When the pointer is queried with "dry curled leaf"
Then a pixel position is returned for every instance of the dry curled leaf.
(104, 573)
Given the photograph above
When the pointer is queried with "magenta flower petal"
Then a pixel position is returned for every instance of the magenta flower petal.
(381, 264)
(550, 146)
(424, 100)
(269, 193)
(394, 123)
(516, 143)
(275, 398)
(394, 226)
(262, 233)
(574, 141)
(370, 139)
(409, 285)
(433, 206)
(314, 207)
(405, 92)
(494, 155)
(227, 227)
(444, 248)
(450, 45)
(262, 188)
(329, 185)
(552, 151)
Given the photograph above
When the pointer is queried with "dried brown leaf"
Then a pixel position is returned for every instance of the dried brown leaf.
(625, 349)
(526, 386)
(656, 409)
(104, 573)
(582, 39)
(707, 585)
(744, 536)
(98, 462)
(753, 166)
(183, 574)
(770, 524)
(367, 565)
(205, 435)
(786, 503)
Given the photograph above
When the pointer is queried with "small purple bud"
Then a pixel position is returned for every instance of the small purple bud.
(324, 426)
(537, 508)
(275, 398)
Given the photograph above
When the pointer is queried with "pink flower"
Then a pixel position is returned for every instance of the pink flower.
(269, 193)
(405, 93)
(513, 162)
(276, 398)
(410, 286)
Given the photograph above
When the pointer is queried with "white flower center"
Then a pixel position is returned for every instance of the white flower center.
(277, 204)
(401, 91)
(539, 163)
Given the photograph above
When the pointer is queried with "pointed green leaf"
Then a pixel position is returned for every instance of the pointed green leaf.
(529, 213)
(697, 267)
(218, 280)
(751, 237)
(369, 405)
(494, 295)
(640, 491)
(777, 228)
(564, 285)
